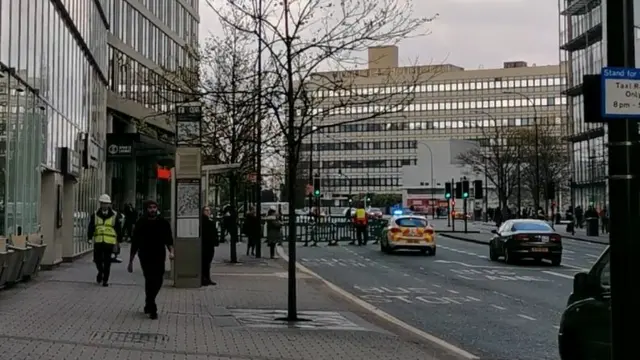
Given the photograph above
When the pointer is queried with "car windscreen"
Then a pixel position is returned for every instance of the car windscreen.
(374, 210)
(531, 226)
(411, 222)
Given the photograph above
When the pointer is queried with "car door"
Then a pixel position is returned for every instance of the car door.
(597, 315)
(500, 236)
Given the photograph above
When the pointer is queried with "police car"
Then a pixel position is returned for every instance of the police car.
(408, 232)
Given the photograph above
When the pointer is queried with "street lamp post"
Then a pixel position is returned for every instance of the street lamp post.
(535, 130)
(348, 180)
(432, 183)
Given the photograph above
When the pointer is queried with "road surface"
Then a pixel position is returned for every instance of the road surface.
(491, 309)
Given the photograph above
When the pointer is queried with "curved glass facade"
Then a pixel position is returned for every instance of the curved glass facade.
(53, 95)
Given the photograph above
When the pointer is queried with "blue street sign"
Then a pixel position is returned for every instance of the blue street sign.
(620, 93)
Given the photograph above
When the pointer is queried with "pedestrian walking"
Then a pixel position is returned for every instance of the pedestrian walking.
(151, 235)
(273, 225)
(251, 229)
(209, 240)
(105, 231)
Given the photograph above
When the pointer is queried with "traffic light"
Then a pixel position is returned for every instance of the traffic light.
(477, 189)
(447, 190)
(551, 191)
(350, 200)
(316, 186)
(465, 189)
(458, 190)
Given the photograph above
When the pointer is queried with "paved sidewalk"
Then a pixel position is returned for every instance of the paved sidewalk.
(63, 314)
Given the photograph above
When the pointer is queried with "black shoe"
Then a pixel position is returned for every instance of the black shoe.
(147, 311)
(105, 284)
(153, 316)
(99, 278)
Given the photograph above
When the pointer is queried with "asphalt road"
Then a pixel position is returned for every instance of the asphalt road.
(493, 310)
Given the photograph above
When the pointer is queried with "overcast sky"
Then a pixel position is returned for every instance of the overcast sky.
(473, 33)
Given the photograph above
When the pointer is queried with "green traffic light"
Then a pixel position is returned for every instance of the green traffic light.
(316, 192)
(447, 196)
(465, 195)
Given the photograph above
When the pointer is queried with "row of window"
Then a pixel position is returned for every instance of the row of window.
(449, 86)
(86, 17)
(587, 61)
(440, 106)
(127, 77)
(361, 145)
(146, 38)
(174, 15)
(435, 124)
(581, 23)
(386, 181)
(359, 164)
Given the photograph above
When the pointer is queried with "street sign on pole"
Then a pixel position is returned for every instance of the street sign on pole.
(620, 93)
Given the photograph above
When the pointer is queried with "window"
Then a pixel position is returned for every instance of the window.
(530, 226)
(605, 276)
(411, 222)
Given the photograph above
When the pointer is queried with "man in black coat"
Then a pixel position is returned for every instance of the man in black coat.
(151, 235)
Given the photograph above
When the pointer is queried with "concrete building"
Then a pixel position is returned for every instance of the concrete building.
(582, 25)
(53, 76)
(148, 55)
(443, 102)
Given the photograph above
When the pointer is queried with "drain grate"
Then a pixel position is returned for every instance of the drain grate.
(129, 337)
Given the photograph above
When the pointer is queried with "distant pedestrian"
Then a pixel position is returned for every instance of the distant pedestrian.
(151, 235)
(251, 229)
(361, 223)
(273, 231)
(105, 231)
(209, 240)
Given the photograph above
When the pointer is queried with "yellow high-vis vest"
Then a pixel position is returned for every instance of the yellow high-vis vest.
(361, 217)
(105, 230)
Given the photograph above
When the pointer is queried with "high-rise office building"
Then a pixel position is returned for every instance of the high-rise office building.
(448, 102)
(582, 27)
(53, 75)
(149, 47)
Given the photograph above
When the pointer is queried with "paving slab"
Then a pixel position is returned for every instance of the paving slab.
(63, 314)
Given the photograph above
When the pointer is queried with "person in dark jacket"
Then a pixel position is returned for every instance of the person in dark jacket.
(273, 231)
(130, 217)
(151, 235)
(251, 228)
(106, 232)
(210, 241)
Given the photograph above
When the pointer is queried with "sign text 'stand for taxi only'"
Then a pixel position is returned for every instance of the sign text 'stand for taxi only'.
(620, 93)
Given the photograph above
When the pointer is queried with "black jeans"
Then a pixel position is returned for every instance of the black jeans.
(207, 258)
(362, 234)
(153, 280)
(102, 258)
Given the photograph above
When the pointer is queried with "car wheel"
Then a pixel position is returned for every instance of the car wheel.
(570, 347)
(556, 260)
(493, 255)
(508, 257)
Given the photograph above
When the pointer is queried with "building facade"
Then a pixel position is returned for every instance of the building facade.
(582, 26)
(446, 102)
(53, 68)
(149, 52)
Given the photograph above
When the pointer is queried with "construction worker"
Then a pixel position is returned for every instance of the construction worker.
(361, 223)
(105, 232)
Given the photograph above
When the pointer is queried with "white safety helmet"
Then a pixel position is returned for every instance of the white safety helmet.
(104, 199)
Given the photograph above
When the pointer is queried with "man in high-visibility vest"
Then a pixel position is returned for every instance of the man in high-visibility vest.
(105, 232)
(361, 223)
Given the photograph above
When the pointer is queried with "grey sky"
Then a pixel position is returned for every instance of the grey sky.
(474, 33)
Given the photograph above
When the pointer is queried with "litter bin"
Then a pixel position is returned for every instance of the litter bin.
(3, 262)
(592, 226)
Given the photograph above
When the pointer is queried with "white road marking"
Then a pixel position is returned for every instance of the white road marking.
(499, 307)
(575, 267)
(453, 291)
(558, 274)
(592, 256)
(464, 277)
(473, 298)
(526, 317)
(568, 258)
(568, 251)
(383, 315)
(436, 285)
(556, 327)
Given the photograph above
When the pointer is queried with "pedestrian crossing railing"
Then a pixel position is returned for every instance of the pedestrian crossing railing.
(332, 230)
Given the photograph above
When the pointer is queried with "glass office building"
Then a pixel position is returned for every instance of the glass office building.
(582, 45)
(52, 97)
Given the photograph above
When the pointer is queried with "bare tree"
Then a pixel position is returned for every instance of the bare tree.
(497, 157)
(299, 39)
(549, 158)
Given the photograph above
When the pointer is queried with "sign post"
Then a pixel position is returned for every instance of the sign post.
(187, 266)
(621, 111)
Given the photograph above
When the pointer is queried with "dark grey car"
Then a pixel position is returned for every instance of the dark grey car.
(519, 239)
